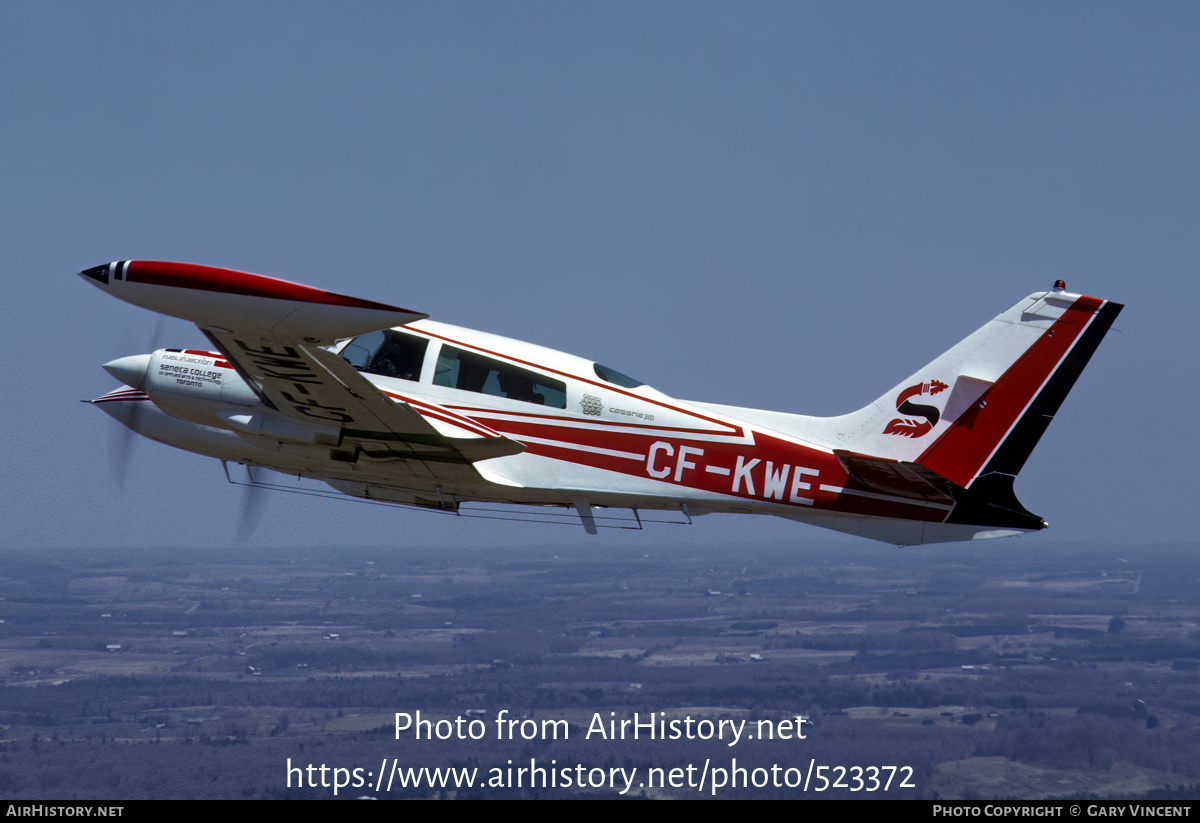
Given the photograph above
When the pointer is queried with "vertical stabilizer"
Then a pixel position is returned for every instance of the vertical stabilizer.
(964, 425)
(991, 395)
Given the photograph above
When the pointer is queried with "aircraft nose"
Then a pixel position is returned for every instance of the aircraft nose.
(101, 274)
(130, 370)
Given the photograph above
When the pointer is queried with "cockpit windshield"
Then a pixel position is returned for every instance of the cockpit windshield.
(388, 353)
(615, 377)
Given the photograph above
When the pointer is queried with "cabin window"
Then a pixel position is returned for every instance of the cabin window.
(459, 369)
(388, 353)
(615, 377)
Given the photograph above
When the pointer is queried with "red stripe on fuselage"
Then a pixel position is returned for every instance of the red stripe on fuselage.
(755, 466)
(608, 387)
(764, 469)
(592, 424)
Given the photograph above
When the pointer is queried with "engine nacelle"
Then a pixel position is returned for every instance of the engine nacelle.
(202, 387)
(195, 385)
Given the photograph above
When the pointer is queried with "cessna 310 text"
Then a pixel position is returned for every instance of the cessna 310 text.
(384, 405)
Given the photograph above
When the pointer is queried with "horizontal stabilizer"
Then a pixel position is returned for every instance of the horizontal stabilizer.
(896, 478)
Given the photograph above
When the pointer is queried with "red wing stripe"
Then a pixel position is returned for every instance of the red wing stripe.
(208, 278)
(121, 396)
(215, 356)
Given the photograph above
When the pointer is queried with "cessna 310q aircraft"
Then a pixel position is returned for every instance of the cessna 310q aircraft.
(384, 405)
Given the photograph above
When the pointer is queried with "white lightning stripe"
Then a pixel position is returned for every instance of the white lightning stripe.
(641, 429)
(600, 425)
(716, 470)
(890, 498)
(428, 410)
(456, 421)
(561, 444)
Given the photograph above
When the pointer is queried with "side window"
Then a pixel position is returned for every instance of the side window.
(459, 369)
(388, 353)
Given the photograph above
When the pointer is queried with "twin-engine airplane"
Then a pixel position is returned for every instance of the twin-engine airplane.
(384, 405)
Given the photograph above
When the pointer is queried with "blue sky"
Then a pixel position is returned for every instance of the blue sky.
(782, 205)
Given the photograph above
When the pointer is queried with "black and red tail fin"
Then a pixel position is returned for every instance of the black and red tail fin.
(960, 429)
(1029, 397)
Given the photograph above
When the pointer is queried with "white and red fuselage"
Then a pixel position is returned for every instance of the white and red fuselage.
(382, 404)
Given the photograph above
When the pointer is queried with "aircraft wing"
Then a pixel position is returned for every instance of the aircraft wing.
(272, 332)
(314, 386)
